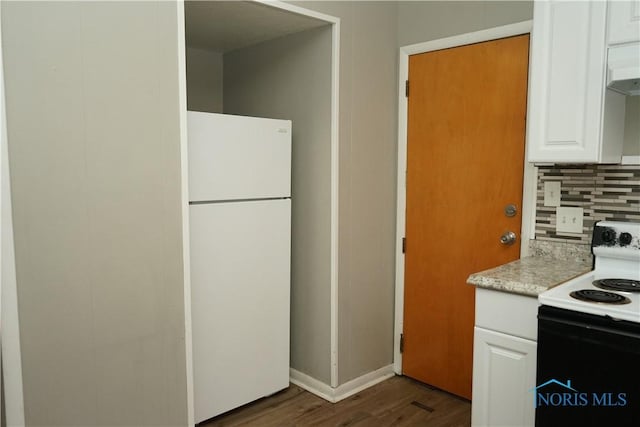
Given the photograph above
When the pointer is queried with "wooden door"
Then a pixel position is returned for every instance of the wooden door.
(466, 132)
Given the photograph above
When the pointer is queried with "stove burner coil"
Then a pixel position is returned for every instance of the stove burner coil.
(603, 297)
(625, 285)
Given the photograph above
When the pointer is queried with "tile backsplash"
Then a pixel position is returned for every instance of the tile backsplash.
(605, 192)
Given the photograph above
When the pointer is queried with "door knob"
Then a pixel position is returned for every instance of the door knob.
(508, 238)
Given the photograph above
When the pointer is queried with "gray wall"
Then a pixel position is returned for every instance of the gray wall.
(368, 80)
(290, 78)
(92, 115)
(420, 21)
(96, 197)
(632, 127)
(371, 33)
(204, 80)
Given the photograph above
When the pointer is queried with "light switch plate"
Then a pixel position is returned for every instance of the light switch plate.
(569, 220)
(552, 192)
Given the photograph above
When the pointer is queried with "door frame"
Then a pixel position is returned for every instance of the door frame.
(530, 171)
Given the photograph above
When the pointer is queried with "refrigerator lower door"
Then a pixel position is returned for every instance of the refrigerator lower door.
(240, 287)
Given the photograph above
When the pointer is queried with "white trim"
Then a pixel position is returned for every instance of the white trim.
(401, 207)
(336, 394)
(311, 384)
(630, 160)
(9, 322)
(529, 198)
(495, 33)
(363, 382)
(299, 10)
(184, 200)
(403, 74)
(530, 182)
(335, 188)
(335, 166)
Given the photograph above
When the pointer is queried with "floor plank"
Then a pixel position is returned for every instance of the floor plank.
(398, 402)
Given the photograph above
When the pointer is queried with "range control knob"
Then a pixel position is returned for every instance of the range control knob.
(625, 239)
(608, 236)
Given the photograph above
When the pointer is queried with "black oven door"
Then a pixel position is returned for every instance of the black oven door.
(588, 370)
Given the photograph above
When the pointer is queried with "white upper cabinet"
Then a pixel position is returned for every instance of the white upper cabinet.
(623, 22)
(567, 92)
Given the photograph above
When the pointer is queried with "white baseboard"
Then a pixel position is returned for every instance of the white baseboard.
(365, 381)
(312, 385)
(343, 391)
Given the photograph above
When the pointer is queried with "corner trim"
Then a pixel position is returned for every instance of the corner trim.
(184, 201)
(343, 391)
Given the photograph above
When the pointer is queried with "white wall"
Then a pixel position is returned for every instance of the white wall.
(204, 80)
(290, 78)
(93, 133)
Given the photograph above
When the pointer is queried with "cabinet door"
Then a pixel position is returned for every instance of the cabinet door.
(567, 81)
(504, 372)
(623, 21)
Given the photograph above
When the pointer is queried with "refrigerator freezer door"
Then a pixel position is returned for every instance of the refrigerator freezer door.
(240, 287)
(236, 157)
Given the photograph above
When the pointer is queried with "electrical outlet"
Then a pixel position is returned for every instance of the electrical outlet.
(552, 192)
(569, 220)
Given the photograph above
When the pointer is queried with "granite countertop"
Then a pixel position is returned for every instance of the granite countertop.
(529, 276)
(534, 274)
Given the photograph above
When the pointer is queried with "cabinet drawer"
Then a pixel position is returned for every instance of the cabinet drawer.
(508, 313)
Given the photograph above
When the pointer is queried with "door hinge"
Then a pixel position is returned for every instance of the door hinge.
(401, 343)
(406, 88)
(404, 244)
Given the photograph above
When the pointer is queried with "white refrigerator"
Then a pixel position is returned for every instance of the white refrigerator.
(240, 232)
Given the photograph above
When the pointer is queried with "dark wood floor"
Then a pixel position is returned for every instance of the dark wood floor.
(398, 401)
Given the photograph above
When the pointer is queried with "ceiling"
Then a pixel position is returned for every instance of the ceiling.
(223, 26)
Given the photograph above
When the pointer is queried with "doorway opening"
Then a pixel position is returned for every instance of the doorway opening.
(276, 60)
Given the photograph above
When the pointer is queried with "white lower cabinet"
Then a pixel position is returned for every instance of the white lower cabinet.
(504, 359)
(504, 372)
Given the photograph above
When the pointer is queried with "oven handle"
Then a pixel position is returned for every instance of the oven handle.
(595, 327)
(605, 324)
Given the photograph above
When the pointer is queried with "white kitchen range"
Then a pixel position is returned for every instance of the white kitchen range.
(613, 287)
(589, 337)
